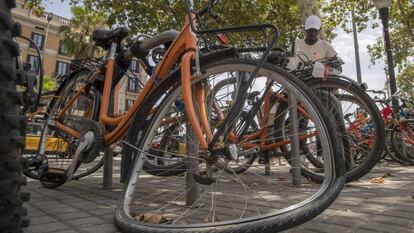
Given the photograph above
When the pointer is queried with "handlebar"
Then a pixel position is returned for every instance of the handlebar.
(140, 49)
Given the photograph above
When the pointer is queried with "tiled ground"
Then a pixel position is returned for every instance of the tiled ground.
(363, 206)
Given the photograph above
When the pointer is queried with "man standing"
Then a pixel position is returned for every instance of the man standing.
(311, 48)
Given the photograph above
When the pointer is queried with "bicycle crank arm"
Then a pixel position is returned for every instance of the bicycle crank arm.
(85, 144)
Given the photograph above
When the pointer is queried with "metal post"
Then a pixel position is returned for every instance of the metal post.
(108, 167)
(49, 17)
(267, 168)
(356, 46)
(295, 156)
(192, 163)
(393, 83)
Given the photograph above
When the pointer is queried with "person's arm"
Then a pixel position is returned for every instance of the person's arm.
(330, 51)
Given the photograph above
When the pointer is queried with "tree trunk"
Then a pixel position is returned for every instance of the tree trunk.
(308, 8)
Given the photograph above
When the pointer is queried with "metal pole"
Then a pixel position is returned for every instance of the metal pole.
(267, 167)
(108, 167)
(356, 46)
(49, 17)
(393, 83)
(192, 163)
(295, 156)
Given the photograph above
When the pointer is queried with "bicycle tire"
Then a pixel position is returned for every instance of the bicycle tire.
(140, 130)
(390, 151)
(406, 156)
(12, 197)
(361, 97)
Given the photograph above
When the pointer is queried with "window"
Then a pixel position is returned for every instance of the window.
(38, 39)
(133, 66)
(40, 28)
(61, 68)
(62, 48)
(132, 85)
(128, 104)
(34, 62)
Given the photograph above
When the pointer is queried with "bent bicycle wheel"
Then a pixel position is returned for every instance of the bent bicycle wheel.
(224, 202)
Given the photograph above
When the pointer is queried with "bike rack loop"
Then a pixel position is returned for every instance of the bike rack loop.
(295, 156)
(108, 167)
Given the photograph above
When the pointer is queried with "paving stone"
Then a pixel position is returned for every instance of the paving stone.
(381, 227)
(74, 215)
(41, 220)
(392, 220)
(106, 228)
(103, 211)
(83, 222)
(49, 227)
(362, 207)
(341, 221)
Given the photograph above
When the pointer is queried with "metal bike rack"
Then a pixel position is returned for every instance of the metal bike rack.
(192, 163)
(295, 156)
(108, 167)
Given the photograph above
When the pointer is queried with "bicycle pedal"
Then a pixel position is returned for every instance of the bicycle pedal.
(52, 177)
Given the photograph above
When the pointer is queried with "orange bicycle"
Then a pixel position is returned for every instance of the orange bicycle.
(173, 108)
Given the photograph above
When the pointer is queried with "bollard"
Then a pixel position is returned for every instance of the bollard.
(192, 163)
(108, 167)
(295, 156)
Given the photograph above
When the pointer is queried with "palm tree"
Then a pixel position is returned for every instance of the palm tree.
(77, 34)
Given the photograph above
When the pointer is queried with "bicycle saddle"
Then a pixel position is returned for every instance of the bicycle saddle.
(104, 38)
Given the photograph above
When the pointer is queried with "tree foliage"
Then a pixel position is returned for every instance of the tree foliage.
(48, 83)
(401, 34)
(148, 16)
(77, 34)
(406, 81)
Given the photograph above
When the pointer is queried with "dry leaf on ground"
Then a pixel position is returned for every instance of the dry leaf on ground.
(152, 218)
(378, 180)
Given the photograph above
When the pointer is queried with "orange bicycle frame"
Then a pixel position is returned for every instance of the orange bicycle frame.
(184, 45)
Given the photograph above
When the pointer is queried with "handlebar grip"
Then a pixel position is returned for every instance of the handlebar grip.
(141, 48)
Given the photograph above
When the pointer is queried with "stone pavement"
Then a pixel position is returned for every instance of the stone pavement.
(83, 206)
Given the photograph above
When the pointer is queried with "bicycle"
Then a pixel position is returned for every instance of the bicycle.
(399, 125)
(342, 96)
(177, 90)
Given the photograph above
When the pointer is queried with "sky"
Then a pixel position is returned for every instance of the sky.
(373, 75)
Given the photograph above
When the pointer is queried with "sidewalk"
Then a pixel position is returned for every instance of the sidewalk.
(83, 206)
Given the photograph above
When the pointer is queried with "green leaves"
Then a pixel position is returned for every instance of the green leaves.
(77, 35)
(48, 83)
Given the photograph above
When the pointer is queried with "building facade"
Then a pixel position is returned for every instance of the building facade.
(44, 31)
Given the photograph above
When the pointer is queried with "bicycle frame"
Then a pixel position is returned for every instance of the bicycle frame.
(184, 45)
(263, 121)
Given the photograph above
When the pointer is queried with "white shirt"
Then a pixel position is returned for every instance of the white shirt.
(321, 49)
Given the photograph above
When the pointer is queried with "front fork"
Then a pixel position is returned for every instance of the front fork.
(189, 104)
